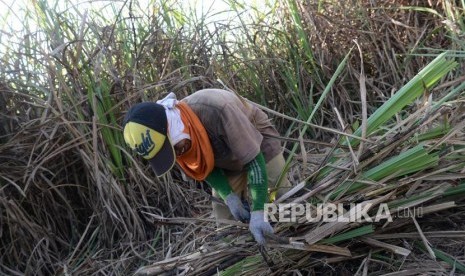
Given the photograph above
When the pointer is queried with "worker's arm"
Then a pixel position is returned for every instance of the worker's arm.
(218, 181)
(258, 184)
(257, 179)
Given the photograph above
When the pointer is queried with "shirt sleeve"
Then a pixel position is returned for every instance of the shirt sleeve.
(241, 135)
(218, 181)
(258, 182)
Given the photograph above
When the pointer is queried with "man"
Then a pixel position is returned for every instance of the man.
(217, 137)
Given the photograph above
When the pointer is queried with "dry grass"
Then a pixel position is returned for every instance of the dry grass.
(74, 200)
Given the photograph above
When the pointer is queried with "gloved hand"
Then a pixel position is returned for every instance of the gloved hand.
(258, 226)
(237, 207)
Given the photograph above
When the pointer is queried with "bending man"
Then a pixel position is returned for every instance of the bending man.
(217, 137)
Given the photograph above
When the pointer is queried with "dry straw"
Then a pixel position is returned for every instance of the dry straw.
(75, 200)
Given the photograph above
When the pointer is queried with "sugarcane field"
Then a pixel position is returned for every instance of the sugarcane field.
(232, 137)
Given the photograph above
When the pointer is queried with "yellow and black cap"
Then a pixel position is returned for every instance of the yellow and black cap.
(145, 131)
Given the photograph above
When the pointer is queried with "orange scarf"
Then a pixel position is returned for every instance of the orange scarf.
(198, 161)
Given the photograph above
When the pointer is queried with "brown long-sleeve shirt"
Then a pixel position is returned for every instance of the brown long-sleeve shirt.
(234, 127)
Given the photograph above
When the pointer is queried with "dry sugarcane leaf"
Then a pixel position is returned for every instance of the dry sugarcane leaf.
(396, 249)
(336, 250)
(291, 192)
(171, 263)
(330, 228)
(435, 234)
(424, 240)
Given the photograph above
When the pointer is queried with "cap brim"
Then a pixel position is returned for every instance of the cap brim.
(164, 160)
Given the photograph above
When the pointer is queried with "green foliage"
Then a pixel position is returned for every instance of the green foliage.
(410, 161)
(443, 256)
(243, 266)
(417, 86)
(361, 231)
(75, 200)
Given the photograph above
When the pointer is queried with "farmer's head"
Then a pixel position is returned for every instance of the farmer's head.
(146, 132)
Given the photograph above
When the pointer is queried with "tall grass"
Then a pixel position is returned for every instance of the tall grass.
(75, 200)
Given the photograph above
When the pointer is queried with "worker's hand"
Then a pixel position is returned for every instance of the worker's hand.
(258, 226)
(237, 207)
